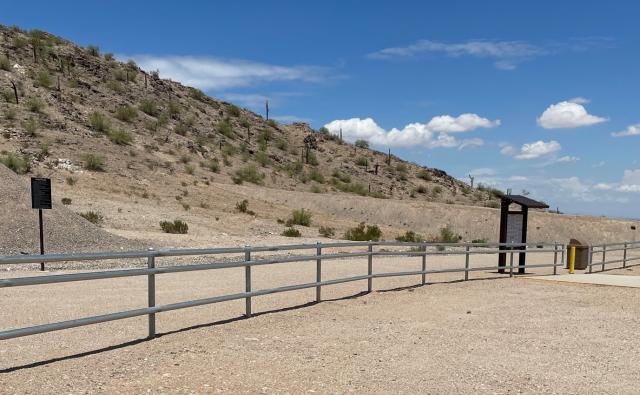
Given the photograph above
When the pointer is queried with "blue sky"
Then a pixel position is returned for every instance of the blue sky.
(543, 85)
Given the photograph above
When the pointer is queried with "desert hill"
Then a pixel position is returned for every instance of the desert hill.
(129, 149)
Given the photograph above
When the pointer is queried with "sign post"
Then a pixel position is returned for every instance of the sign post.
(41, 200)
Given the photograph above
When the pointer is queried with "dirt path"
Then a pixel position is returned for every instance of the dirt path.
(499, 336)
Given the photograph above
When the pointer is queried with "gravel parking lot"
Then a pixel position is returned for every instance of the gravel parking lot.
(501, 335)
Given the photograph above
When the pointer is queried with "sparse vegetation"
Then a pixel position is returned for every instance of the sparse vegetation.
(34, 104)
(243, 207)
(66, 201)
(362, 144)
(326, 231)
(120, 137)
(93, 162)
(291, 232)
(234, 111)
(99, 122)
(4, 63)
(126, 113)
(16, 162)
(248, 173)
(224, 128)
(424, 174)
(176, 226)
(410, 237)
(93, 50)
(149, 107)
(364, 232)
(299, 217)
(93, 216)
(43, 79)
(362, 161)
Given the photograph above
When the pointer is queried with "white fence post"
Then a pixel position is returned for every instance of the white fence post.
(466, 264)
(247, 282)
(151, 290)
(370, 268)
(318, 272)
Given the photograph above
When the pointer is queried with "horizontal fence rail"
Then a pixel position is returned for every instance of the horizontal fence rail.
(317, 254)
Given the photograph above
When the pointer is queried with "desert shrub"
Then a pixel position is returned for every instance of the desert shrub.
(120, 75)
(424, 174)
(176, 226)
(312, 159)
(4, 63)
(362, 161)
(293, 168)
(410, 237)
(34, 104)
(316, 189)
(356, 188)
(491, 191)
(344, 177)
(7, 95)
(229, 149)
(447, 235)
(20, 42)
(437, 190)
(492, 204)
(10, 113)
(299, 217)
(66, 201)
(149, 107)
(248, 173)
(364, 232)
(188, 169)
(213, 165)
(108, 57)
(99, 122)
(93, 50)
(291, 232)
(157, 123)
(316, 175)
(173, 109)
(115, 86)
(93, 162)
(362, 144)
(324, 131)
(282, 144)
(93, 216)
(272, 123)
(421, 189)
(120, 137)
(224, 128)
(44, 79)
(262, 158)
(31, 126)
(377, 195)
(234, 111)
(479, 241)
(197, 94)
(326, 231)
(126, 113)
(16, 162)
(243, 207)
(71, 181)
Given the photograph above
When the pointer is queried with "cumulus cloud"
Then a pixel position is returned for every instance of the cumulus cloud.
(215, 73)
(532, 150)
(433, 134)
(632, 130)
(567, 114)
(461, 123)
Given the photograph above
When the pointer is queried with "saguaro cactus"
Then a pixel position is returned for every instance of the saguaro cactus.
(15, 91)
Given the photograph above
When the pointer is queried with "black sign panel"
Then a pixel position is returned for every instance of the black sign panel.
(40, 193)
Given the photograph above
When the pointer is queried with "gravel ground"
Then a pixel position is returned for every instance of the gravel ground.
(489, 336)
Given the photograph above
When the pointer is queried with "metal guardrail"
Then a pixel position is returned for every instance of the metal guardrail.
(603, 249)
(422, 250)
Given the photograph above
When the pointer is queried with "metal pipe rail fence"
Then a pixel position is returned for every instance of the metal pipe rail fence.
(601, 250)
(422, 250)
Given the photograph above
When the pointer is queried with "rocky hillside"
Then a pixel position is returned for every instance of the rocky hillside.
(68, 110)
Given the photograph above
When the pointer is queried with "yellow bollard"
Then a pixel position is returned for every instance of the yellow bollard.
(572, 260)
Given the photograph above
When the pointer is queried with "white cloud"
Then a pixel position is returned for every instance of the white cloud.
(568, 159)
(431, 135)
(532, 150)
(506, 54)
(483, 171)
(518, 178)
(602, 186)
(461, 123)
(632, 130)
(630, 181)
(579, 100)
(215, 73)
(567, 114)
